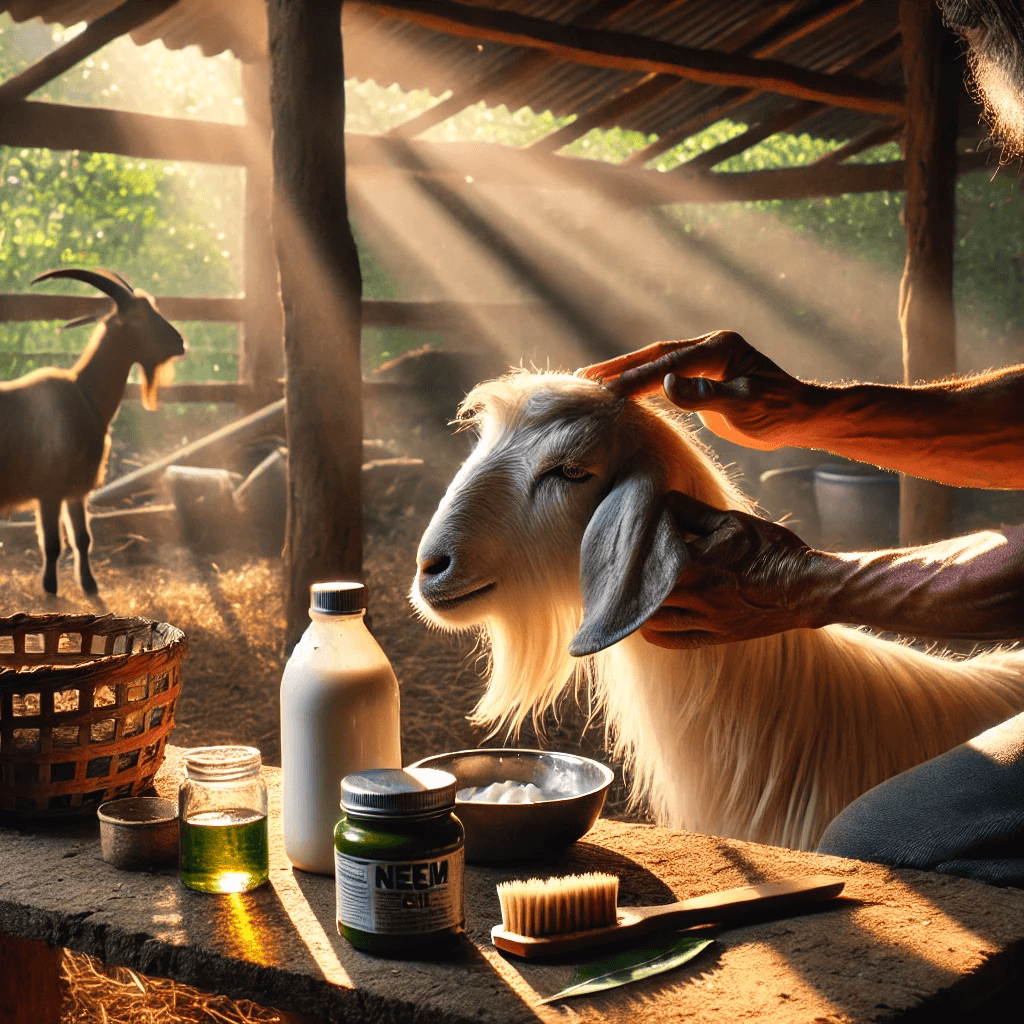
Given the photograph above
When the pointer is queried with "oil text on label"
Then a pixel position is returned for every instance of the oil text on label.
(400, 897)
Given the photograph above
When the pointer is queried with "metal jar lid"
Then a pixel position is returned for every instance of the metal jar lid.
(385, 792)
(337, 598)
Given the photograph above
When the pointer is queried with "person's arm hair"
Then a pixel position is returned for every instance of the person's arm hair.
(747, 577)
(967, 588)
(966, 432)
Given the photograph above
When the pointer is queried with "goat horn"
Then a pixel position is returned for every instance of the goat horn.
(78, 322)
(113, 284)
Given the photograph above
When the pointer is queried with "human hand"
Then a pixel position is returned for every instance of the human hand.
(746, 578)
(738, 393)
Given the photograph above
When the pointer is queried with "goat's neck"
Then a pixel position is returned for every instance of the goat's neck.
(769, 739)
(101, 373)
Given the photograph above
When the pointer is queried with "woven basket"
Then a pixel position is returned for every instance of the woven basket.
(86, 703)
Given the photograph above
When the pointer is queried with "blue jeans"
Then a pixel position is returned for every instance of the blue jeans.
(962, 813)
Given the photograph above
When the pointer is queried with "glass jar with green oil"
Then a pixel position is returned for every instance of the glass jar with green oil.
(222, 820)
(399, 861)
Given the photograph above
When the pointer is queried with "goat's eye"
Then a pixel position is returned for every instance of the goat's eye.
(575, 474)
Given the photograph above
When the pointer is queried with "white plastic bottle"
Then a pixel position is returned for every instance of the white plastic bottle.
(339, 714)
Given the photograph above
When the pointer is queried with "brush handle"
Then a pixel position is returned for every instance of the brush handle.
(727, 907)
(732, 904)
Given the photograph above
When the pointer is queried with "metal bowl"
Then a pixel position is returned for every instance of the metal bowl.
(576, 788)
(138, 831)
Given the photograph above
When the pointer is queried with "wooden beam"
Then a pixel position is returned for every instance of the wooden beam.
(205, 451)
(491, 164)
(876, 136)
(927, 318)
(97, 34)
(864, 62)
(640, 94)
(525, 68)
(261, 333)
(634, 96)
(604, 49)
(16, 306)
(31, 985)
(321, 293)
(422, 316)
(95, 130)
(780, 122)
(728, 101)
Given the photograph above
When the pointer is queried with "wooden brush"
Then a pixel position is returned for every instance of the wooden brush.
(541, 917)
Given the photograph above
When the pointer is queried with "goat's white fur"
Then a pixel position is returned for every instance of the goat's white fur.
(765, 740)
(54, 424)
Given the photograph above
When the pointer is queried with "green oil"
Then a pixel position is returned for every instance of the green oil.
(225, 850)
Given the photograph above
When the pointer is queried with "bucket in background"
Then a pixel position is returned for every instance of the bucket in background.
(858, 507)
(789, 492)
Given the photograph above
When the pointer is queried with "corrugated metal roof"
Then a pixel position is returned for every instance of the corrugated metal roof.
(390, 50)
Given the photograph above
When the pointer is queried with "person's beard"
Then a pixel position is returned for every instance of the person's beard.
(994, 31)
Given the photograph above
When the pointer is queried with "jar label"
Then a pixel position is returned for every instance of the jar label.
(400, 897)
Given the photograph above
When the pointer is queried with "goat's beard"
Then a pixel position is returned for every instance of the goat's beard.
(530, 664)
(153, 379)
(994, 30)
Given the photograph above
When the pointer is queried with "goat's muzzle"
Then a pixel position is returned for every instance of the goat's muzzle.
(439, 586)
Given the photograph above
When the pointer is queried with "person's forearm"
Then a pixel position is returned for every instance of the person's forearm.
(966, 433)
(969, 588)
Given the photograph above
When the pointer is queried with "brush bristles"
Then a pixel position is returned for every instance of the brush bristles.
(556, 906)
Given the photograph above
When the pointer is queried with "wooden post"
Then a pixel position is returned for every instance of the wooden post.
(261, 336)
(30, 981)
(321, 294)
(926, 291)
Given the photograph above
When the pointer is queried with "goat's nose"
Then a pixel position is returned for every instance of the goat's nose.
(435, 566)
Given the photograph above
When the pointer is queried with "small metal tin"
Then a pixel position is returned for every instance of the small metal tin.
(138, 832)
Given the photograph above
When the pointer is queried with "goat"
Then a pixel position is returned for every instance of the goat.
(554, 539)
(54, 423)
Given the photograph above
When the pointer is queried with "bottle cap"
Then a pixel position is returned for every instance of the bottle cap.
(337, 598)
(222, 764)
(382, 792)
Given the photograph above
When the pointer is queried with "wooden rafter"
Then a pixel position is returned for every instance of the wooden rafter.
(103, 30)
(731, 99)
(489, 164)
(422, 316)
(524, 68)
(859, 143)
(605, 49)
(868, 63)
(94, 130)
(653, 86)
(138, 135)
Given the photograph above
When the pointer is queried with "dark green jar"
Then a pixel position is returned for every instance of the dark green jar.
(399, 861)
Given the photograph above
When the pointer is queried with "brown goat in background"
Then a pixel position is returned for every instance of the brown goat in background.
(54, 423)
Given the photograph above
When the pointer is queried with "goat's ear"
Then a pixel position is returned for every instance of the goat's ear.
(631, 556)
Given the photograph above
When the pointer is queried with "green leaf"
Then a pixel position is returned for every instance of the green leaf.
(631, 965)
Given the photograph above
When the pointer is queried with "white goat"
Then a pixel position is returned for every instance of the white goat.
(54, 422)
(765, 740)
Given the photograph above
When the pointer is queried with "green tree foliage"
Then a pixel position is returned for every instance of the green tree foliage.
(171, 228)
